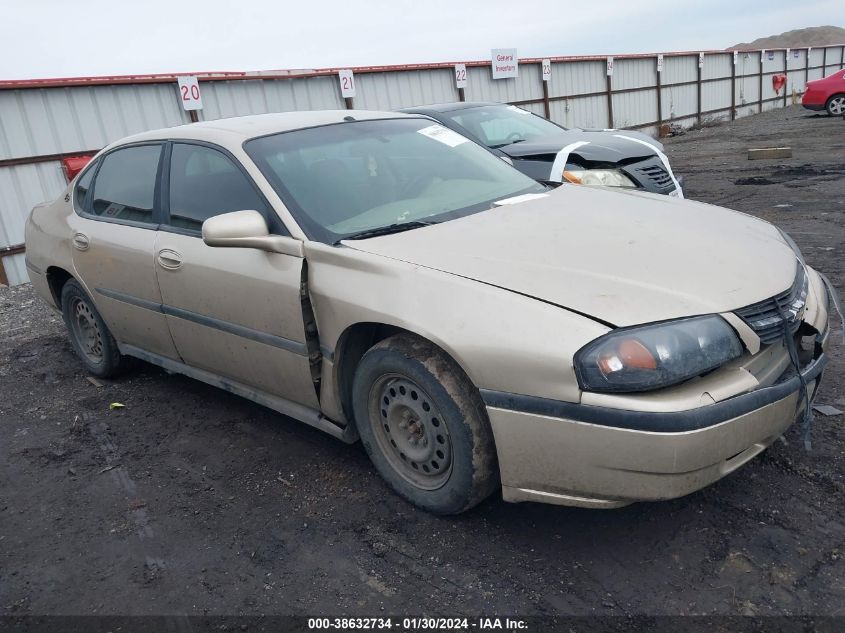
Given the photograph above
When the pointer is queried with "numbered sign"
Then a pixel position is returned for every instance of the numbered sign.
(795, 54)
(762, 55)
(347, 83)
(701, 60)
(189, 93)
(461, 75)
(660, 63)
(771, 56)
(736, 56)
(610, 67)
(547, 69)
(787, 54)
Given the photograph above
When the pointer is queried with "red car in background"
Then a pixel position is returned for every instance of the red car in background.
(826, 94)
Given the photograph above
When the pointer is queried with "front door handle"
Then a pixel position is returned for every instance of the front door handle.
(169, 259)
(80, 242)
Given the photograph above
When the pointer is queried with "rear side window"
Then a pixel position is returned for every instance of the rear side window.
(83, 184)
(125, 185)
(205, 182)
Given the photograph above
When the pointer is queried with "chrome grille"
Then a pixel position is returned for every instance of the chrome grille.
(764, 318)
(657, 174)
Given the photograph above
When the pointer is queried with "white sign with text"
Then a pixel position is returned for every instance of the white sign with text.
(660, 63)
(547, 69)
(189, 93)
(461, 75)
(610, 67)
(347, 83)
(505, 63)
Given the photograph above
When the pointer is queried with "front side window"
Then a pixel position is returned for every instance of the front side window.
(500, 125)
(205, 182)
(349, 178)
(124, 188)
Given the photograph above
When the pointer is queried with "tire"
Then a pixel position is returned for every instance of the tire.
(835, 106)
(91, 339)
(424, 425)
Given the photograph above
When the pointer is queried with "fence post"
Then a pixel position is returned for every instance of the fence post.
(610, 101)
(760, 86)
(698, 62)
(733, 86)
(807, 68)
(348, 102)
(462, 94)
(786, 74)
(546, 105)
(659, 95)
(842, 58)
(824, 61)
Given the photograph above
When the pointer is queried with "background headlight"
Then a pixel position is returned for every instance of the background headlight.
(602, 177)
(654, 356)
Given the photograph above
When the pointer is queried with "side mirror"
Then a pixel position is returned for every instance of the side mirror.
(247, 229)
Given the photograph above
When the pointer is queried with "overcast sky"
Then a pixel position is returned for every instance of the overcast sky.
(62, 38)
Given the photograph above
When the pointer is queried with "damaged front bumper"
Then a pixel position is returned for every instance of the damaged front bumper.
(581, 455)
(612, 451)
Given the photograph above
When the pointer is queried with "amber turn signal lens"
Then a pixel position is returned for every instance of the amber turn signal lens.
(630, 354)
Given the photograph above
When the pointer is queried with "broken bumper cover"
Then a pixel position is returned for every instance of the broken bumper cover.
(572, 454)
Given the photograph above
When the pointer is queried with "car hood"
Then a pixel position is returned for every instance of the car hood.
(623, 258)
(610, 146)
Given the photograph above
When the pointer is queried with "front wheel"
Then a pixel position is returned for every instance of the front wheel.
(424, 426)
(836, 105)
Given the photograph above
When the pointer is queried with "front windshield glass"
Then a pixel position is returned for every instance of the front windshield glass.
(500, 125)
(347, 178)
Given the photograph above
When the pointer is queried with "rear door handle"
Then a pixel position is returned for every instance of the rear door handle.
(80, 242)
(169, 259)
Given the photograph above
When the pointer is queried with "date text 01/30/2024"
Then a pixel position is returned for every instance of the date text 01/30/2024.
(417, 624)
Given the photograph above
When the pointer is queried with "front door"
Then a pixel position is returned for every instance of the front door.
(235, 312)
(113, 242)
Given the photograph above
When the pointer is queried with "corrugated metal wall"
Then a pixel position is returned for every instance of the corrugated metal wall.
(42, 122)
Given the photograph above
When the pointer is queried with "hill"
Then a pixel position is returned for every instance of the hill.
(799, 38)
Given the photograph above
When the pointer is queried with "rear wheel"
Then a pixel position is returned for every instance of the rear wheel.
(91, 339)
(424, 426)
(836, 105)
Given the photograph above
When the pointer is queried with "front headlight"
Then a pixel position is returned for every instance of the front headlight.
(600, 177)
(650, 357)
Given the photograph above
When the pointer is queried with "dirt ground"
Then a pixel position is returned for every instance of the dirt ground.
(192, 501)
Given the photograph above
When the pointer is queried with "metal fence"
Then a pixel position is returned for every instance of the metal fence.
(43, 121)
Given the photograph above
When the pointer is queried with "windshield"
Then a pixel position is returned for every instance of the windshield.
(348, 178)
(500, 125)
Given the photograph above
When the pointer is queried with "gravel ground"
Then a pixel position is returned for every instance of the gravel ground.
(192, 501)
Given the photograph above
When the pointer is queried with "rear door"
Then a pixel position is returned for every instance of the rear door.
(114, 234)
(235, 312)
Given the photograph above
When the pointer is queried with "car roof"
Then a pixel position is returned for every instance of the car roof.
(448, 107)
(235, 130)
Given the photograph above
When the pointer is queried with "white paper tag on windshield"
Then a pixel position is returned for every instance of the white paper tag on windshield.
(518, 109)
(443, 134)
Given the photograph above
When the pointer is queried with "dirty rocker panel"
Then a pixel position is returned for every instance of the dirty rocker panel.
(666, 422)
(218, 324)
(299, 412)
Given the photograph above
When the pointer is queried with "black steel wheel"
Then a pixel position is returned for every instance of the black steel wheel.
(424, 426)
(91, 339)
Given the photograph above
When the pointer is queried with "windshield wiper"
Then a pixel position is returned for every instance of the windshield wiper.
(387, 230)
